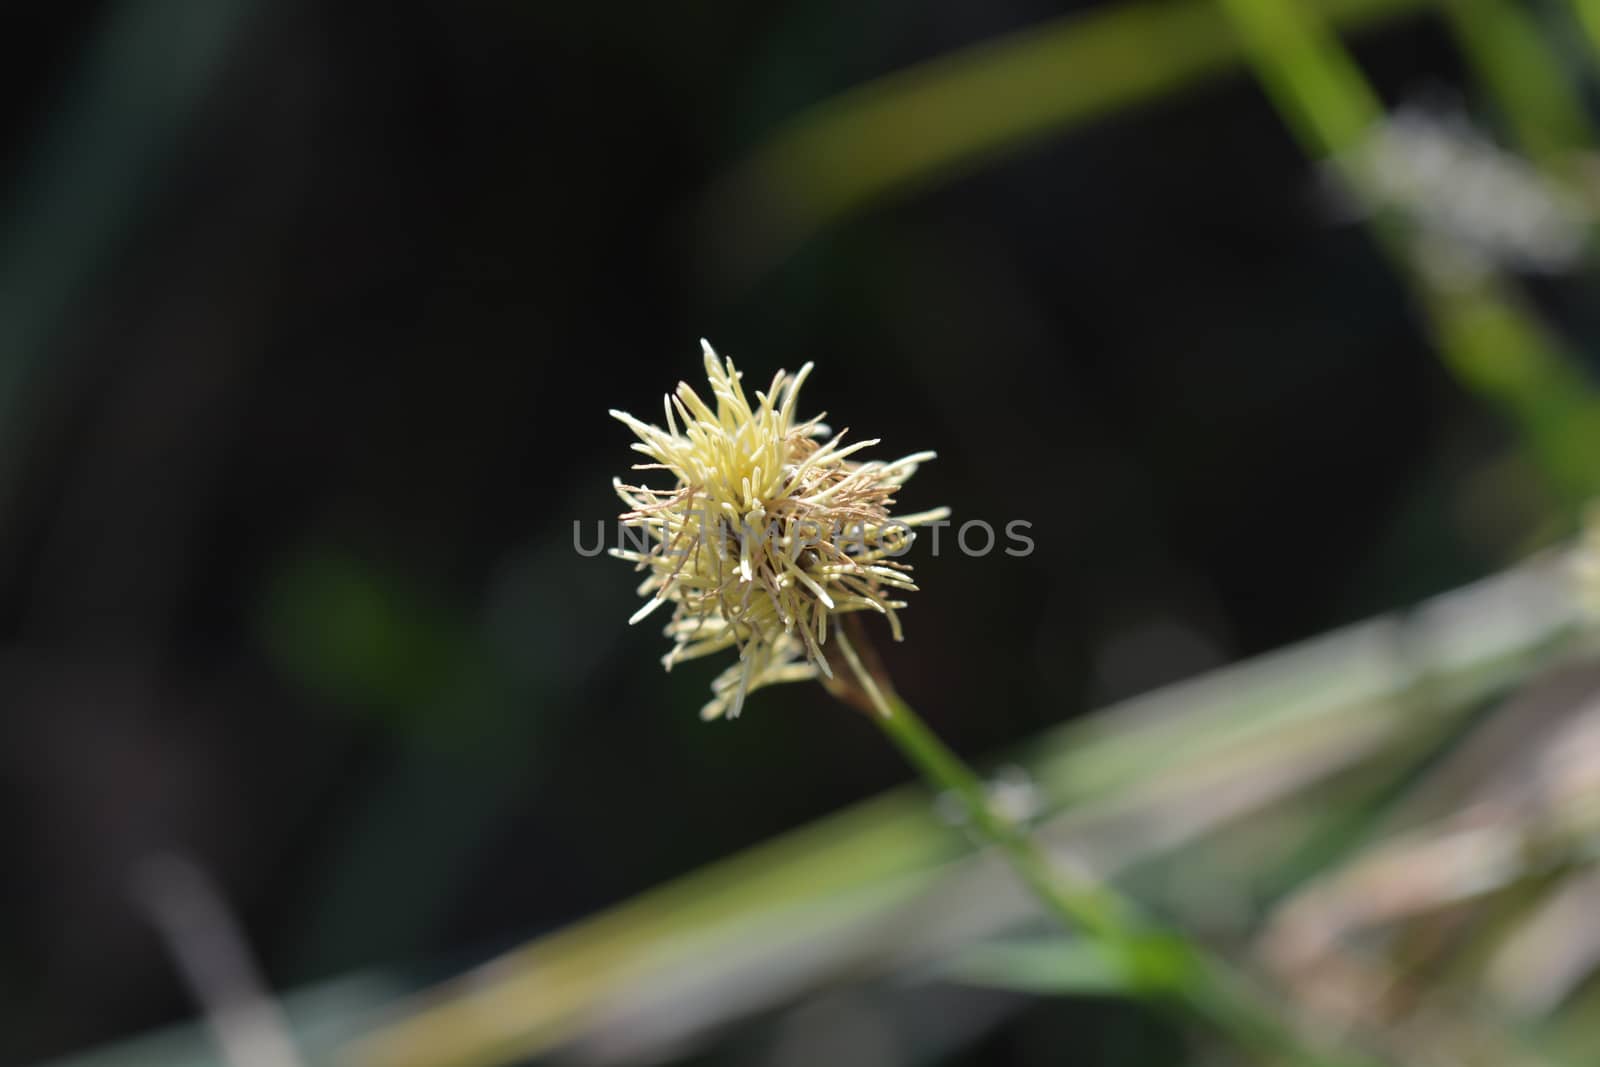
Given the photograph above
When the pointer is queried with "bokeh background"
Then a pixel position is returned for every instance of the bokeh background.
(310, 315)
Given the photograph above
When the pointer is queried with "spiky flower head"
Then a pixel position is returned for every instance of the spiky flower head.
(768, 531)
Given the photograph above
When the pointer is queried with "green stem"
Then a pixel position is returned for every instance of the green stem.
(1503, 42)
(1157, 964)
(1588, 12)
(1487, 335)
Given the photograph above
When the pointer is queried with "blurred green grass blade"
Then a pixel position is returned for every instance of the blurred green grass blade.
(1588, 12)
(1489, 339)
(950, 114)
(884, 885)
(1316, 86)
(1524, 76)
(1055, 966)
(1499, 350)
(874, 888)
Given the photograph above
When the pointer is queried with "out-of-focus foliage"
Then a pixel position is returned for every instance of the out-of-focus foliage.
(950, 114)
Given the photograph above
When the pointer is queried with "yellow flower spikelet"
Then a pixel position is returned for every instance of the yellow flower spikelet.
(766, 533)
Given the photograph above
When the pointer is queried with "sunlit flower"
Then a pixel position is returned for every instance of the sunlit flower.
(767, 532)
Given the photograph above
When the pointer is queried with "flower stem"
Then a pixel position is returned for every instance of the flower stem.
(1157, 964)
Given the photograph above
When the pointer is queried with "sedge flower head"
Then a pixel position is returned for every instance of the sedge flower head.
(768, 531)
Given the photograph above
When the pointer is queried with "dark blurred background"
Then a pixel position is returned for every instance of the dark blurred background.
(313, 312)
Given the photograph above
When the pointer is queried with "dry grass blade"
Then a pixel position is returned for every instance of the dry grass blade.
(869, 889)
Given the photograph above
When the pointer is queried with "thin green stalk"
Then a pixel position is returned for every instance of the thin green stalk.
(1523, 75)
(945, 116)
(1486, 335)
(1316, 85)
(1588, 12)
(1156, 963)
